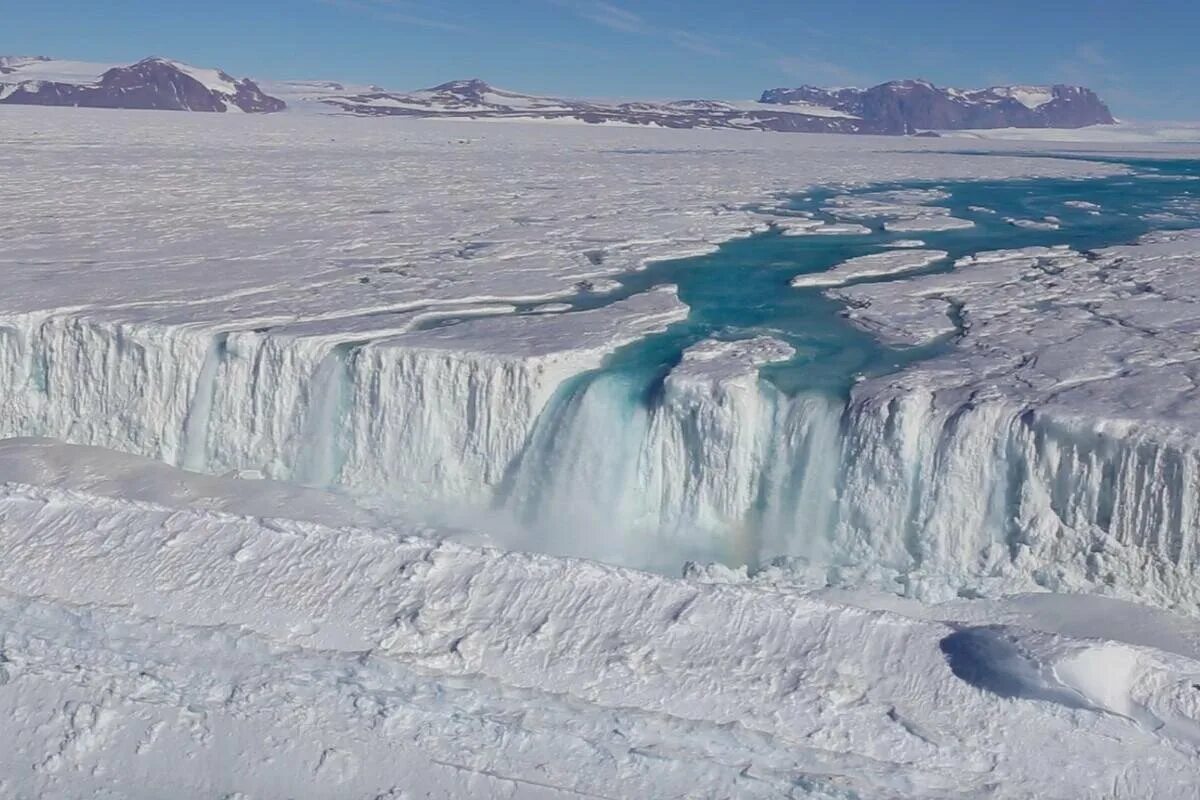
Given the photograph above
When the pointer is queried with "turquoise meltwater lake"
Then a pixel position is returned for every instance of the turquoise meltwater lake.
(744, 290)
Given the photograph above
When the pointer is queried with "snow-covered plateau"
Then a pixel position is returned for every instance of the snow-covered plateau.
(361, 458)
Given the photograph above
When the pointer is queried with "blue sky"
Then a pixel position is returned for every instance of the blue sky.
(1141, 56)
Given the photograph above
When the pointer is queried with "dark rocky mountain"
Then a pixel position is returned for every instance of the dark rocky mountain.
(900, 107)
(153, 83)
(475, 99)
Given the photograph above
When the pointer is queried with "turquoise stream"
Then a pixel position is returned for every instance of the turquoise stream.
(743, 289)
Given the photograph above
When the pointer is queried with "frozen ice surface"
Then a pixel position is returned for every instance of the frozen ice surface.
(259, 223)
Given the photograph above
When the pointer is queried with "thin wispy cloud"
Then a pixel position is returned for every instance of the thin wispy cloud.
(611, 16)
(623, 20)
(818, 71)
(1089, 64)
(1091, 53)
(401, 13)
(696, 43)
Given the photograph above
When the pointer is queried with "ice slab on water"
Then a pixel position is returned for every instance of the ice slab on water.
(927, 224)
(895, 262)
(712, 361)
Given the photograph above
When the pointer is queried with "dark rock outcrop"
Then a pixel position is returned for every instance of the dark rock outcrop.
(153, 83)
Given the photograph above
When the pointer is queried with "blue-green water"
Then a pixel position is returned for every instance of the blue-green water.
(591, 465)
(744, 290)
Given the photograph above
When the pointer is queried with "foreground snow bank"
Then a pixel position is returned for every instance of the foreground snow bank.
(287, 657)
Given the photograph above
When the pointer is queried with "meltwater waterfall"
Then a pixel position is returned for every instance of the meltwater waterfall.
(761, 426)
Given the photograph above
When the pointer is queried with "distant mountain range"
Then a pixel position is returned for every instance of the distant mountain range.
(894, 108)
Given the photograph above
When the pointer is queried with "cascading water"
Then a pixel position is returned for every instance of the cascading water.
(320, 459)
(645, 461)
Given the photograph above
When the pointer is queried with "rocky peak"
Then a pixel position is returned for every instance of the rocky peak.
(472, 89)
(152, 83)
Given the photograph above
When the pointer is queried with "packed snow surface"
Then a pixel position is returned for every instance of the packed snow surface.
(1122, 134)
(395, 321)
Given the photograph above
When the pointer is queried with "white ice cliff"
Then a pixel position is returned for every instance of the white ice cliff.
(968, 473)
(421, 390)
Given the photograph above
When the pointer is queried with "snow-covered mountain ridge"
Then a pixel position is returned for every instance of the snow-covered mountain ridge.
(152, 83)
(476, 99)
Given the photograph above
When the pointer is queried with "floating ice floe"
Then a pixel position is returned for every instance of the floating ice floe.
(1044, 224)
(927, 224)
(894, 262)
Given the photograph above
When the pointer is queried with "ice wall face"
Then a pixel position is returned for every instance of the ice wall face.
(122, 386)
(403, 423)
(931, 492)
(990, 493)
(925, 494)
(404, 420)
